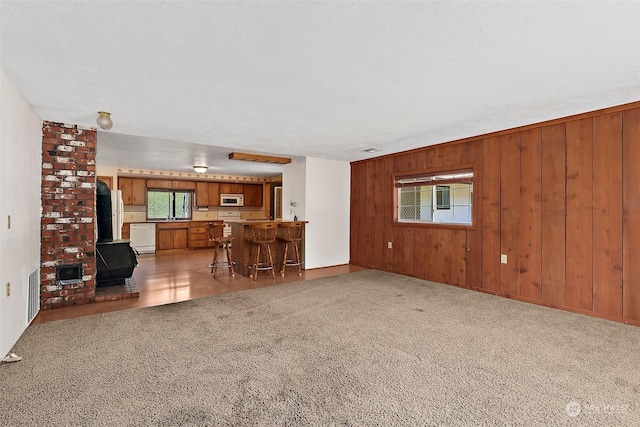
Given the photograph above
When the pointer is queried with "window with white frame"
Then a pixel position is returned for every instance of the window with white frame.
(438, 197)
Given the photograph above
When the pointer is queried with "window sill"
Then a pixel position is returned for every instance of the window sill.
(441, 225)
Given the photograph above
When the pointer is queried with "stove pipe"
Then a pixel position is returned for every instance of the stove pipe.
(103, 212)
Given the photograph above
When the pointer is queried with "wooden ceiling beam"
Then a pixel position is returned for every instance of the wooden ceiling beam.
(259, 158)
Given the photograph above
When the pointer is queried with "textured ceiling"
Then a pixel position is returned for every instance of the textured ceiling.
(320, 79)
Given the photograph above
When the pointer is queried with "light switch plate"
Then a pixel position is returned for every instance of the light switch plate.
(389, 245)
(503, 259)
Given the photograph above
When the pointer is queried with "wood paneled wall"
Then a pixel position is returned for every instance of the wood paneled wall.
(561, 199)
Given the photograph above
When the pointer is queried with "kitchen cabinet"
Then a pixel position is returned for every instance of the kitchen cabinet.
(170, 184)
(184, 185)
(126, 231)
(108, 180)
(133, 191)
(253, 195)
(207, 194)
(198, 235)
(231, 188)
(172, 235)
(214, 194)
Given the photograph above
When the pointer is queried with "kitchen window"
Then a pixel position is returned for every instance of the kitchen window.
(168, 204)
(442, 197)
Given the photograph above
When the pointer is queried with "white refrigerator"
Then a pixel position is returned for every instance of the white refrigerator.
(117, 213)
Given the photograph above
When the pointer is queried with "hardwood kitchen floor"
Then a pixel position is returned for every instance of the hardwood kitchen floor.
(183, 275)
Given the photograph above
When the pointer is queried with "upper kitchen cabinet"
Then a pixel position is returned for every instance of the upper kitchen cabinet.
(133, 191)
(170, 184)
(207, 194)
(253, 195)
(229, 188)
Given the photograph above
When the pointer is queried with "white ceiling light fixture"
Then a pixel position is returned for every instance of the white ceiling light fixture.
(104, 120)
(200, 169)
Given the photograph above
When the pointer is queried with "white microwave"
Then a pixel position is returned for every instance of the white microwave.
(231, 200)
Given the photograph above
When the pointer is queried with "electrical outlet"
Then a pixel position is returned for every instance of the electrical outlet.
(389, 245)
(8, 288)
(503, 259)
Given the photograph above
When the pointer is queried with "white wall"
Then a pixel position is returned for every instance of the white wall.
(294, 177)
(321, 190)
(20, 175)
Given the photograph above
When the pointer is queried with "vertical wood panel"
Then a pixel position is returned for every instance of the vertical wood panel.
(354, 247)
(553, 213)
(530, 214)
(368, 214)
(389, 192)
(458, 154)
(607, 214)
(473, 262)
(420, 160)
(444, 155)
(444, 255)
(397, 250)
(579, 253)
(491, 213)
(360, 190)
(405, 262)
(404, 163)
(431, 158)
(378, 212)
(419, 252)
(431, 254)
(510, 213)
(458, 255)
(361, 209)
(631, 209)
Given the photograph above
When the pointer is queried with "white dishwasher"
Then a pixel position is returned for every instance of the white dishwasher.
(143, 237)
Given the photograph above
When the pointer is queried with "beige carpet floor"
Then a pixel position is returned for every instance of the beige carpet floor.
(366, 348)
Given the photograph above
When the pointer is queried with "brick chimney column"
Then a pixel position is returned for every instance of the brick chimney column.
(68, 212)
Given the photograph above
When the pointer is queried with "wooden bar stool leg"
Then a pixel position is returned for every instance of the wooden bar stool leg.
(296, 246)
(214, 262)
(256, 260)
(284, 257)
(273, 273)
(230, 260)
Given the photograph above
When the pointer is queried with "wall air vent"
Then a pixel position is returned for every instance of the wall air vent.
(372, 150)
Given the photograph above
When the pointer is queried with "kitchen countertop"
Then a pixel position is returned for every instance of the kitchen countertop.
(253, 221)
(163, 221)
(186, 221)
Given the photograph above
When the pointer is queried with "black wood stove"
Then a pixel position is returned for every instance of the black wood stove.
(115, 259)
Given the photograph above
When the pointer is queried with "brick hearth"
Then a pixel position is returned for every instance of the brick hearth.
(113, 293)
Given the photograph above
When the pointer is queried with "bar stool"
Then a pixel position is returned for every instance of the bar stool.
(292, 233)
(220, 244)
(262, 236)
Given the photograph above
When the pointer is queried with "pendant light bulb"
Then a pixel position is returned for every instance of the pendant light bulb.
(104, 120)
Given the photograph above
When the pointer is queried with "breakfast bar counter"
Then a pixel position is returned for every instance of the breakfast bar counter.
(241, 232)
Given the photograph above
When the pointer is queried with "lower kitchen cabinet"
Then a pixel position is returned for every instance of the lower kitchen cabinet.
(126, 231)
(172, 238)
(198, 236)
